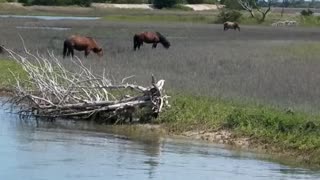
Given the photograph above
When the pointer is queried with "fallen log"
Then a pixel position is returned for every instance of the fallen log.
(53, 91)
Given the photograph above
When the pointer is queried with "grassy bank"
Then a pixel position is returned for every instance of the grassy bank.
(280, 131)
(284, 132)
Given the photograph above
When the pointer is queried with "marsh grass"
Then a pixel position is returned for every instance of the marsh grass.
(6, 78)
(307, 50)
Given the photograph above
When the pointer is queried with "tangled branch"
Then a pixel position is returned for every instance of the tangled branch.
(53, 91)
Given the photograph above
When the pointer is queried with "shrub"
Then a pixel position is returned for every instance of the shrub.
(228, 15)
(231, 4)
(57, 2)
(306, 12)
(129, 1)
(164, 3)
(195, 1)
(200, 1)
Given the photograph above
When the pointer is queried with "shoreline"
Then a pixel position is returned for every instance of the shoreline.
(225, 137)
(230, 140)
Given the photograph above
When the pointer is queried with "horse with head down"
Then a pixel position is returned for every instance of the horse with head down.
(231, 25)
(81, 43)
(151, 38)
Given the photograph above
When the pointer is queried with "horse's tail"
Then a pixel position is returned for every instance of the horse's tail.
(65, 48)
(135, 41)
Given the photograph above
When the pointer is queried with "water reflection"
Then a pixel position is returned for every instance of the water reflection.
(73, 150)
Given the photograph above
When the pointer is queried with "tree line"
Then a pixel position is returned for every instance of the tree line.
(157, 3)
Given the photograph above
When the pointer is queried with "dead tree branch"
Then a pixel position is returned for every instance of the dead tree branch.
(53, 91)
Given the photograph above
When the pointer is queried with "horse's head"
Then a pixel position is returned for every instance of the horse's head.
(163, 40)
(98, 51)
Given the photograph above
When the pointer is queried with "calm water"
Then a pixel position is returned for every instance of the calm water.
(69, 150)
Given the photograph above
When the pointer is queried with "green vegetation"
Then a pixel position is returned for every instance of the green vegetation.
(228, 15)
(59, 2)
(305, 50)
(306, 12)
(284, 131)
(128, 1)
(6, 78)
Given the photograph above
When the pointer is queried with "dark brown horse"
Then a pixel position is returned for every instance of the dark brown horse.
(81, 43)
(150, 37)
(231, 25)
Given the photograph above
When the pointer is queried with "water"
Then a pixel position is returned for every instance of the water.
(69, 150)
(51, 17)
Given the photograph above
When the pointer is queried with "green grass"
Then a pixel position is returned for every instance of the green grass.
(305, 50)
(309, 21)
(6, 78)
(282, 131)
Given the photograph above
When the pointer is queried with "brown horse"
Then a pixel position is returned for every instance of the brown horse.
(231, 25)
(81, 43)
(149, 37)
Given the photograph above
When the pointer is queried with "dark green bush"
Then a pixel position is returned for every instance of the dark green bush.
(306, 12)
(129, 1)
(232, 4)
(164, 3)
(59, 2)
(195, 1)
(228, 15)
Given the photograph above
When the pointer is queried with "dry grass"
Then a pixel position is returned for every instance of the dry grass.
(263, 64)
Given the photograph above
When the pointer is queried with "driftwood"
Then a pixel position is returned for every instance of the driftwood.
(52, 91)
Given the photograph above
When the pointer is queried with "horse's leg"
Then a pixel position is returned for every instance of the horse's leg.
(135, 46)
(68, 51)
(86, 52)
(154, 45)
(71, 51)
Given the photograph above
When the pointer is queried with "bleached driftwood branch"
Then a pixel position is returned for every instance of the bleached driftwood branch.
(52, 91)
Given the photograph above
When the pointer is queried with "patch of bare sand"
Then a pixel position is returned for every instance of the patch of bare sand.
(122, 6)
(220, 136)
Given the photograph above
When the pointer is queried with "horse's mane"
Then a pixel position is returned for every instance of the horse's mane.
(92, 40)
(160, 35)
(162, 38)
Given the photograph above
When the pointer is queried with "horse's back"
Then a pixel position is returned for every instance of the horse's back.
(147, 36)
(82, 41)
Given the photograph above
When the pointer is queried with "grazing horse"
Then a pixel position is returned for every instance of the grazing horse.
(150, 37)
(81, 43)
(231, 25)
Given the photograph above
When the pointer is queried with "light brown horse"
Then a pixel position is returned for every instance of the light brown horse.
(81, 43)
(231, 25)
(151, 38)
